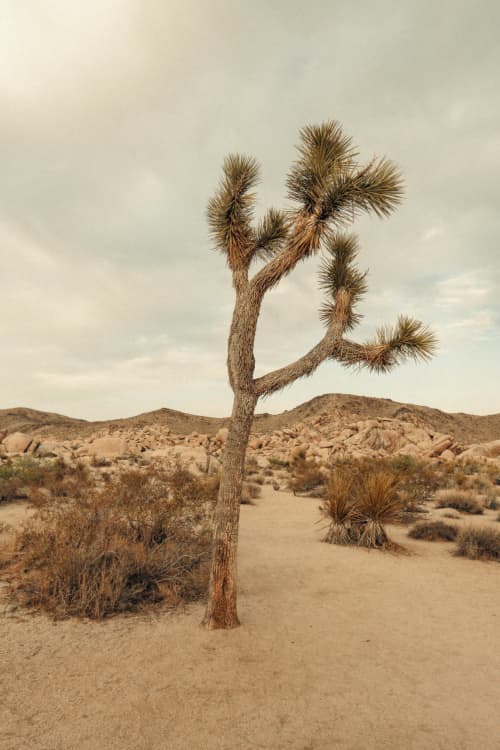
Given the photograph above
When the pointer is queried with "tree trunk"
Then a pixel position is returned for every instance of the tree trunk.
(221, 606)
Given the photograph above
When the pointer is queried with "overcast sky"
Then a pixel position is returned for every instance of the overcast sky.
(115, 117)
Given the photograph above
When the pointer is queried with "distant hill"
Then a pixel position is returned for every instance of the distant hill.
(467, 428)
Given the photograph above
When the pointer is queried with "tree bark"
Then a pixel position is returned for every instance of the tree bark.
(221, 606)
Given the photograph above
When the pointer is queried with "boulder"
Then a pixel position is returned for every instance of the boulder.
(107, 447)
(17, 442)
(442, 444)
(448, 455)
(256, 444)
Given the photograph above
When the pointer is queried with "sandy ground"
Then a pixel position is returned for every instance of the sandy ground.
(339, 648)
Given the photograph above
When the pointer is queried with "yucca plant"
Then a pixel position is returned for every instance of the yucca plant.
(378, 504)
(340, 509)
(328, 188)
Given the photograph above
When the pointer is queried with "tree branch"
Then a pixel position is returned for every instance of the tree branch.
(409, 339)
(304, 240)
(306, 365)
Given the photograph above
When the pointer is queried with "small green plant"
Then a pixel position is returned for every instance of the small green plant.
(278, 462)
(434, 531)
(479, 543)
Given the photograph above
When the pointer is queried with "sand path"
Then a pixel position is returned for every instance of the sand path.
(339, 648)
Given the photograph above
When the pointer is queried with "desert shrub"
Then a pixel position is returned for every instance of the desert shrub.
(378, 504)
(434, 531)
(143, 539)
(251, 465)
(340, 509)
(491, 502)
(21, 477)
(479, 544)
(460, 500)
(254, 489)
(274, 461)
(258, 479)
(403, 463)
(306, 476)
(417, 480)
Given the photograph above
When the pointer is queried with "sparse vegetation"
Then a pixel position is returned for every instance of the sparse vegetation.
(306, 476)
(340, 509)
(26, 476)
(379, 504)
(479, 543)
(278, 462)
(143, 539)
(434, 531)
(359, 507)
(461, 500)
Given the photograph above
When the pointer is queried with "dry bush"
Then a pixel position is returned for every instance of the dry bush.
(417, 480)
(434, 531)
(278, 462)
(258, 479)
(460, 500)
(143, 539)
(41, 479)
(339, 508)
(479, 544)
(378, 504)
(491, 502)
(306, 477)
(254, 489)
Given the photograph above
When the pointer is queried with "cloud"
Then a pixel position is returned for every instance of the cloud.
(115, 118)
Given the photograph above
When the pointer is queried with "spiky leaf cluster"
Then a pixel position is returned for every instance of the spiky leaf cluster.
(324, 153)
(408, 339)
(339, 272)
(271, 234)
(326, 179)
(230, 211)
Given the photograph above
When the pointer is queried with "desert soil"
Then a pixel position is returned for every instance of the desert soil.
(339, 648)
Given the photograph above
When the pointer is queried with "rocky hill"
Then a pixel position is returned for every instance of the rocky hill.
(465, 428)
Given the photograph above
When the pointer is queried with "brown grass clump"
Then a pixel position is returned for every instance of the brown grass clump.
(434, 531)
(378, 504)
(460, 500)
(479, 544)
(144, 539)
(339, 507)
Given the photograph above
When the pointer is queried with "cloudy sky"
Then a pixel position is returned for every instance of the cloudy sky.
(115, 116)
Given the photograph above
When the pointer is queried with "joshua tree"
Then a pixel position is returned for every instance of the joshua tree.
(328, 188)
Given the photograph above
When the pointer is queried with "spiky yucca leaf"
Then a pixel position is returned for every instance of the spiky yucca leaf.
(377, 187)
(271, 234)
(378, 504)
(339, 272)
(230, 211)
(408, 339)
(339, 507)
(324, 150)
